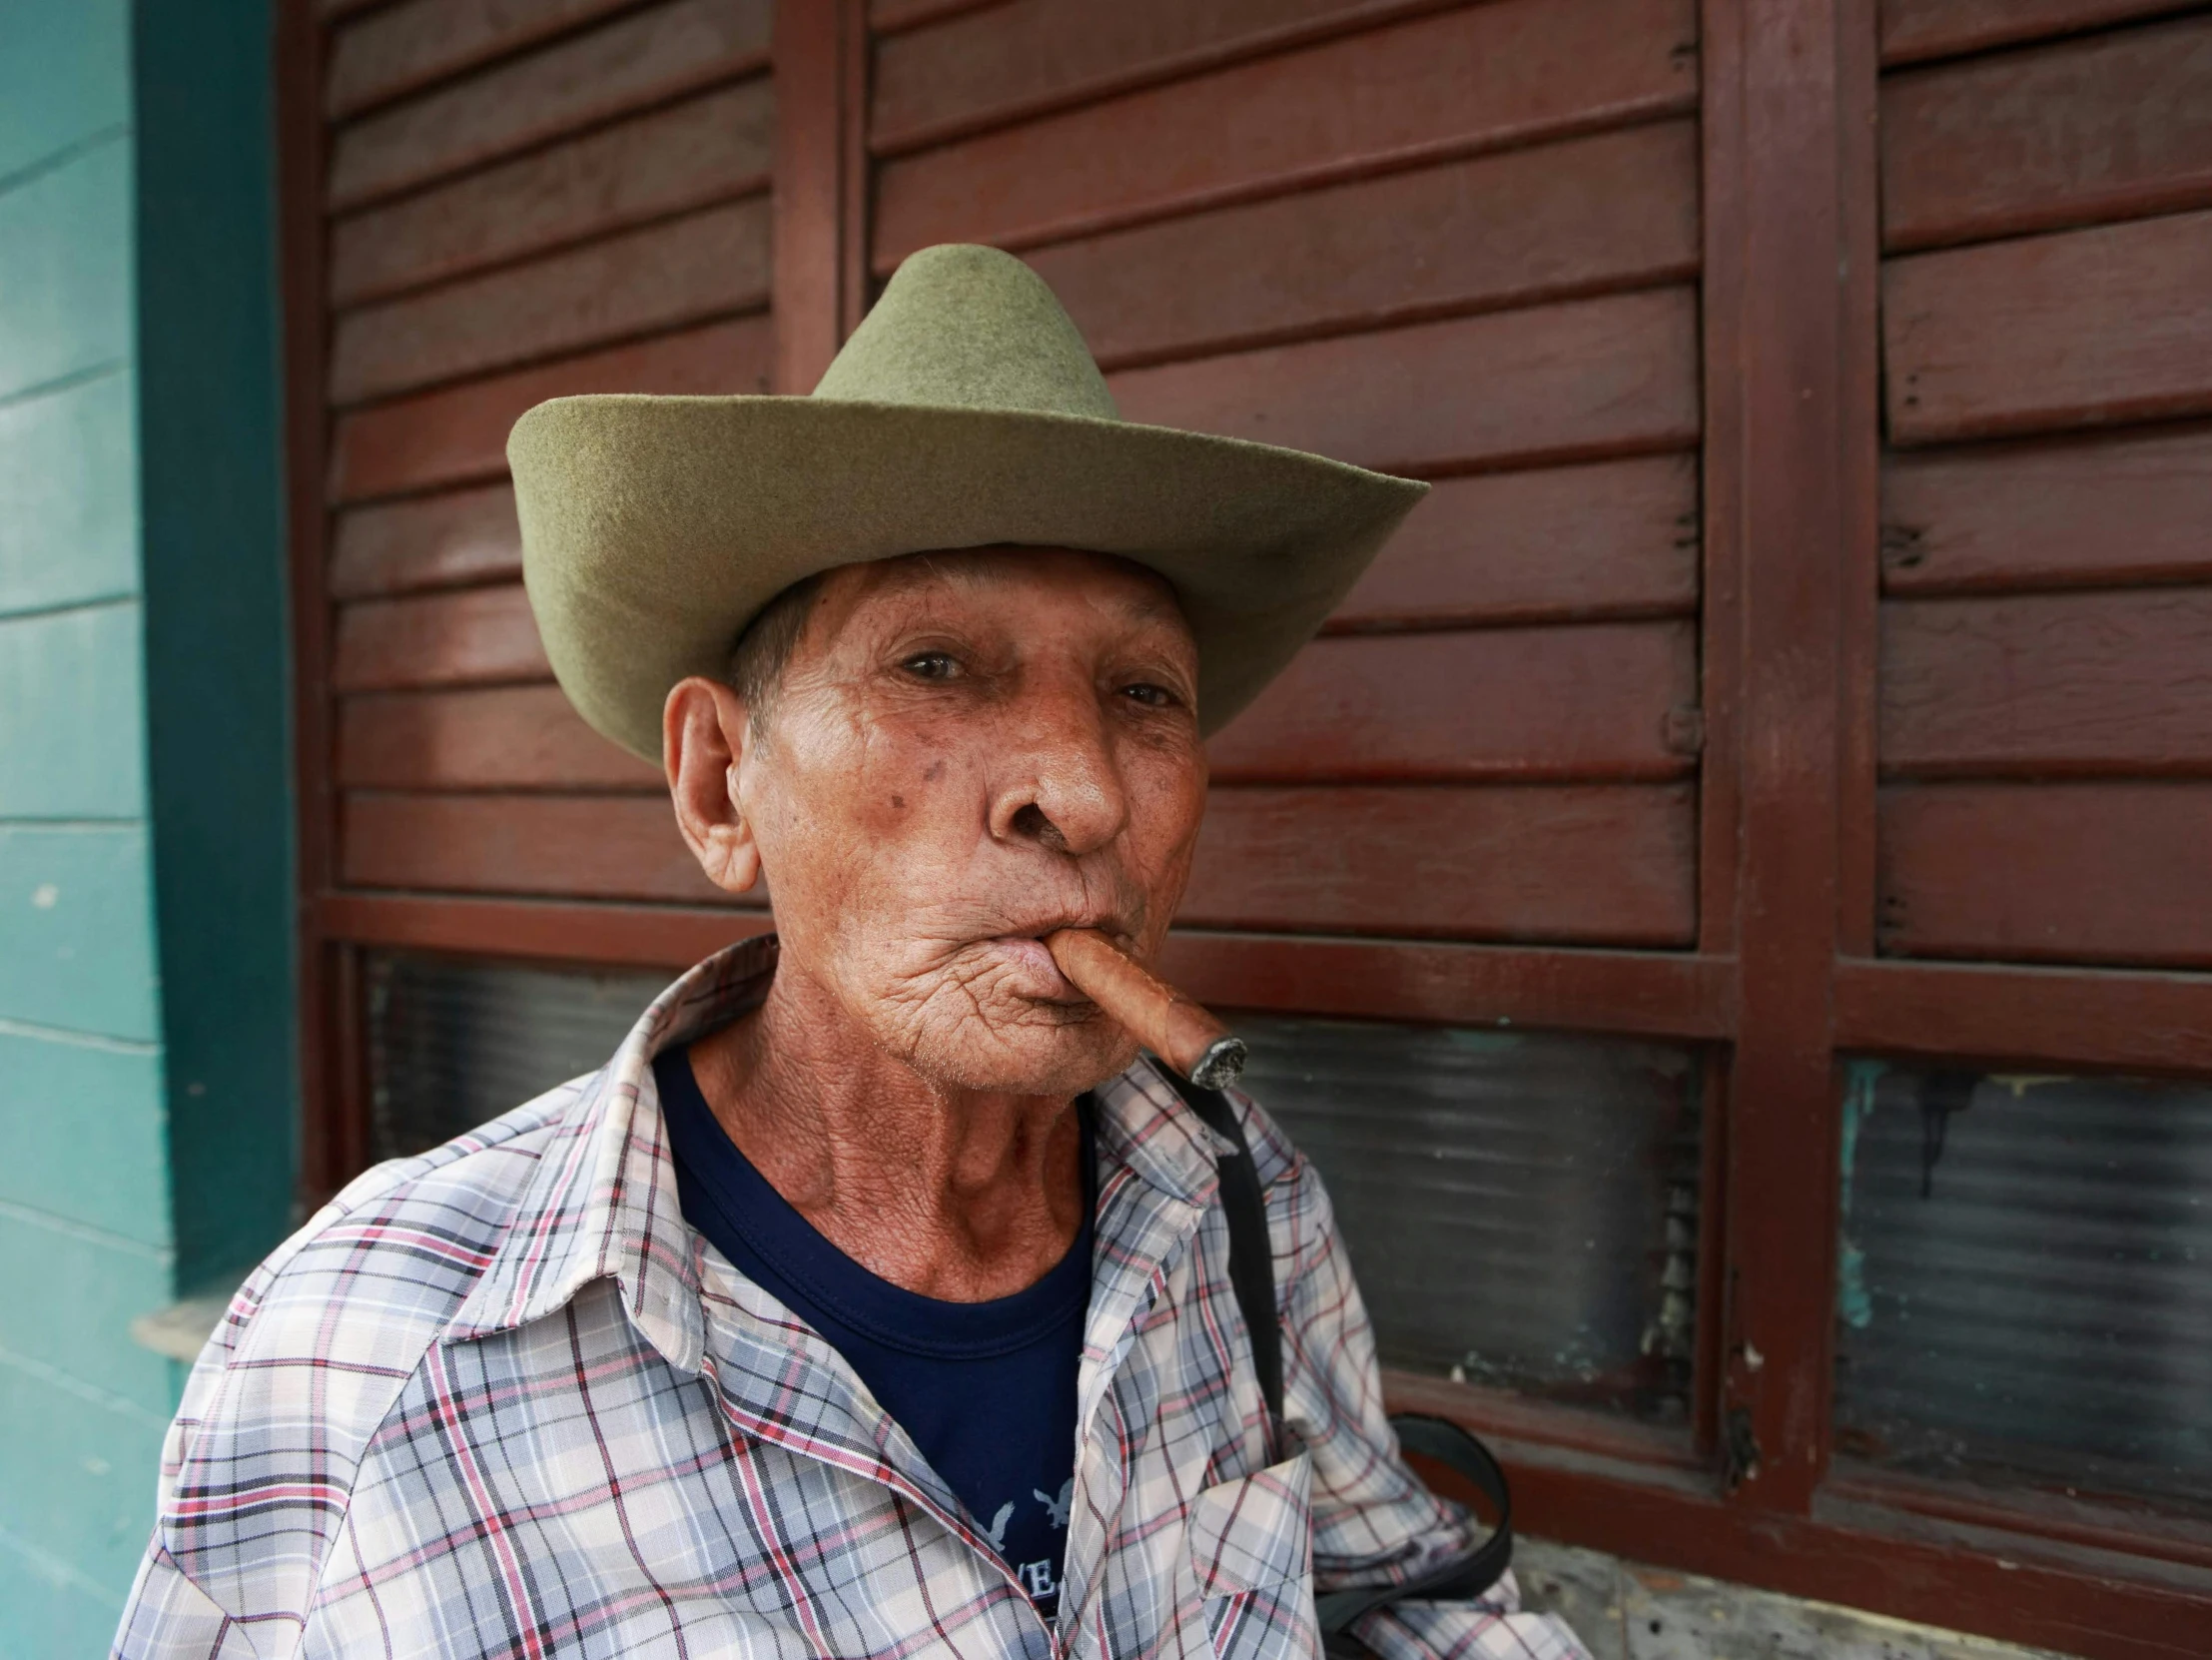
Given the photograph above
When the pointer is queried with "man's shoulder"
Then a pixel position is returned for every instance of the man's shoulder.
(358, 1295)
(403, 1246)
(320, 1344)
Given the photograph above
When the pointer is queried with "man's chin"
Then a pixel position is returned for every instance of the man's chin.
(1034, 1060)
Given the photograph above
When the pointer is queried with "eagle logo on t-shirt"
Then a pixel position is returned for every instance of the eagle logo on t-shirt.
(1057, 1508)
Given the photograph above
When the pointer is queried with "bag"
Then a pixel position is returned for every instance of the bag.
(1252, 1279)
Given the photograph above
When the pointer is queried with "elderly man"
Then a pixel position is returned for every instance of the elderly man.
(875, 1297)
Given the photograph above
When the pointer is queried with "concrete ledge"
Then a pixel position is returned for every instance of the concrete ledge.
(1625, 1611)
(181, 1329)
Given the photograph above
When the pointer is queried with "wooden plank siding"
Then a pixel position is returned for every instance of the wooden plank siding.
(1912, 30)
(2067, 512)
(435, 541)
(1510, 706)
(527, 200)
(1546, 544)
(411, 45)
(985, 68)
(1578, 863)
(1559, 863)
(2065, 873)
(1527, 334)
(1587, 378)
(2117, 683)
(1480, 77)
(458, 435)
(438, 639)
(887, 17)
(2045, 333)
(2105, 127)
(2043, 703)
(667, 276)
(1458, 241)
(1608, 701)
(672, 160)
(502, 737)
(622, 66)
(1586, 216)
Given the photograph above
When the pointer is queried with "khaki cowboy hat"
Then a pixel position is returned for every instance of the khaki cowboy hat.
(965, 411)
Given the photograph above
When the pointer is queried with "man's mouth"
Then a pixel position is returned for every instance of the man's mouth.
(1035, 974)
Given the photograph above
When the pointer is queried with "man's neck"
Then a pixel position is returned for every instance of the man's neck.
(956, 1193)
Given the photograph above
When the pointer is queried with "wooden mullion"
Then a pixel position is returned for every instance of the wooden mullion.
(1505, 1415)
(1783, 110)
(297, 67)
(1859, 482)
(857, 183)
(579, 931)
(1708, 1366)
(1627, 993)
(808, 255)
(1720, 520)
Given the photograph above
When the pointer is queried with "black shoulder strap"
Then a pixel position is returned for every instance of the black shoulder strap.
(1463, 1578)
(1252, 1252)
(1253, 1277)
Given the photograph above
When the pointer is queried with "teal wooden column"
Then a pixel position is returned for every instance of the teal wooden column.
(146, 1070)
(216, 677)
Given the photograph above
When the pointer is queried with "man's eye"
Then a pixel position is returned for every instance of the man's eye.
(931, 666)
(1151, 696)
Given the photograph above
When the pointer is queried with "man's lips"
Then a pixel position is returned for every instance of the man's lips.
(1037, 975)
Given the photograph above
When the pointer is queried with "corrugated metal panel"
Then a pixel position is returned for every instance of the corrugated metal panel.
(452, 1043)
(2026, 1280)
(1522, 1208)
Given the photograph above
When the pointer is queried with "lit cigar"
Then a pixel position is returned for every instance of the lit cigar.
(1160, 1018)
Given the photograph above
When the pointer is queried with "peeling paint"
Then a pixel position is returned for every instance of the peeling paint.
(1855, 1306)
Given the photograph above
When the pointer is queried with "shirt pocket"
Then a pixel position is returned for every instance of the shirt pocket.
(1251, 1553)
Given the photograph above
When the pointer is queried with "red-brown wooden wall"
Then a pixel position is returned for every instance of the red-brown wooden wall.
(2046, 618)
(1800, 653)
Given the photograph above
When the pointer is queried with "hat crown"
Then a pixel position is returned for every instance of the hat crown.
(963, 326)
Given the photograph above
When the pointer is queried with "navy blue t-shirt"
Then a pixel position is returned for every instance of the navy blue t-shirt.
(986, 1389)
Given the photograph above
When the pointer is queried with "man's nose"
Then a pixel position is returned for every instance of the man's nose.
(1060, 785)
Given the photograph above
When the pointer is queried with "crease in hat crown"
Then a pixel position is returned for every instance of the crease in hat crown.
(968, 328)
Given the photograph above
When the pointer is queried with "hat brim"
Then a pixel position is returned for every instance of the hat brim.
(655, 528)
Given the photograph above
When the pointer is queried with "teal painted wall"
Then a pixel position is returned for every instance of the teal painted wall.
(86, 1237)
(147, 1093)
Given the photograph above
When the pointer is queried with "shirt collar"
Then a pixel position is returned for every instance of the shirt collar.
(602, 1203)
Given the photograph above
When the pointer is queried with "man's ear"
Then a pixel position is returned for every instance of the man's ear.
(704, 734)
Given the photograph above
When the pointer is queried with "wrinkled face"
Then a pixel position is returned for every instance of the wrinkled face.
(966, 751)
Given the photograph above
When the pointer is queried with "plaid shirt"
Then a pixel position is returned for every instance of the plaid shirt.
(500, 1399)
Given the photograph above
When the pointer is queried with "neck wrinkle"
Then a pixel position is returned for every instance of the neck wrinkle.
(961, 1194)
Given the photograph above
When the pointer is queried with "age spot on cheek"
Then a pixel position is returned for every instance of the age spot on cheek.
(936, 771)
(898, 801)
